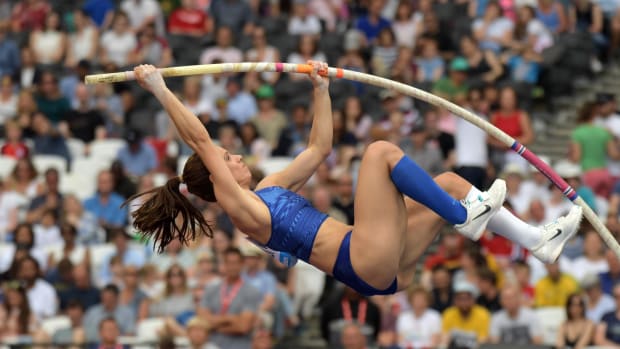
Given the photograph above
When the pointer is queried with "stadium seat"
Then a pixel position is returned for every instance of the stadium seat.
(550, 320)
(148, 329)
(77, 148)
(274, 164)
(6, 166)
(98, 254)
(106, 148)
(44, 162)
(53, 324)
(90, 167)
(81, 185)
(309, 284)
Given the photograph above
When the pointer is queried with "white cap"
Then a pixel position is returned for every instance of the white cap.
(465, 286)
(567, 169)
(512, 168)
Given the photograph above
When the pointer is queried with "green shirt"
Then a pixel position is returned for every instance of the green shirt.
(446, 88)
(593, 142)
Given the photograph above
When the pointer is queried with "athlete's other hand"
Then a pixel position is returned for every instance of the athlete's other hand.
(150, 78)
(319, 82)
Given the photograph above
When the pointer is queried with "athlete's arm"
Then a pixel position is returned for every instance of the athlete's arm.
(196, 136)
(320, 142)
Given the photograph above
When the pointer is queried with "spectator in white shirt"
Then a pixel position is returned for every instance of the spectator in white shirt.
(597, 302)
(143, 13)
(593, 259)
(47, 232)
(419, 327)
(117, 44)
(41, 295)
(514, 324)
(302, 22)
(224, 50)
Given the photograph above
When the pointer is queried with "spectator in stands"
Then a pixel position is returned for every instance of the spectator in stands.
(89, 231)
(73, 335)
(235, 14)
(357, 120)
(198, 334)
(593, 260)
(465, 324)
(231, 306)
(110, 105)
(106, 204)
(484, 65)
(321, 198)
(453, 87)
(489, 296)
(347, 307)
(302, 21)
(553, 15)
(261, 51)
(515, 324)
(108, 308)
(152, 49)
(256, 275)
(50, 101)
(254, 147)
(307, 49)
(407, 26)
(82, 43)
(611, 277)
(124, 185)
(353, 337)
(8, 100)
(28, 73)
(269, 121)
(384, 53)
(41, 295)
(49, 44)
(224, 49)
(597, 302)
(607, 330)
(23, 179)
(419, 327)
(84, 121)
(431, 65)
(425, 153)
(577, 331)
(49, 199)
(131, 295)
(9, 52)
(16, 316)
(126, 253)
(82, 290)
(372, 24)
(592, 151)
(47, 140)
(175, 253)
(47, 231)
(343, 196)
(14, 145)
(177, 300)
(554, 289)
(204, 273)
(522, 273)
(493, 31)
(515, 122)
(142, 14)
(472, 260)
(116, 45)
(100, 11)
(29, 15)
(190, 20)
(137, 156)
(109, 333)
(23, 245)
(241, 106)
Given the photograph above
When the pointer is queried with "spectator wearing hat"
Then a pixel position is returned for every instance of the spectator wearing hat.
(198, 334)
(269, 121)
(591, 146)
(514, 324)
(424, 152)
(553, 290)
(453, 87)
(137, 156)
(465, 324)
(597, 302)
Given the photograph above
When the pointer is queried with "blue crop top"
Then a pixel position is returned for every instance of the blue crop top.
(294, 221)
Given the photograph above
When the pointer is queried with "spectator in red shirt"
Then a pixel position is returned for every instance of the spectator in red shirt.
(29, 15)
(14, 146)
(189, 20)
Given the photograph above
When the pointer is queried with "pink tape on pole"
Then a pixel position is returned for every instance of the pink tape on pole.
(279, 67)
(543, 167)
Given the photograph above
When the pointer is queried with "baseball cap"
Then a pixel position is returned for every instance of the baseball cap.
(265, 92)
(459, 64)
(463, 286)
(567, 169)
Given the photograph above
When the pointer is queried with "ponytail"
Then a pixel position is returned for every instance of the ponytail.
(156, 217)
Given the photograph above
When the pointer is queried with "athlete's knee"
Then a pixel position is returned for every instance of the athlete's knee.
(384, 150)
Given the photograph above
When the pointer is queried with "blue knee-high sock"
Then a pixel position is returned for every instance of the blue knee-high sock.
(411, 180)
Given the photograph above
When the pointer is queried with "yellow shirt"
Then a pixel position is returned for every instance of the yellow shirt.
(477, 322)
(554, 294)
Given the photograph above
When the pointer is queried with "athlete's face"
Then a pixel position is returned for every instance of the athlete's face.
(237, 167)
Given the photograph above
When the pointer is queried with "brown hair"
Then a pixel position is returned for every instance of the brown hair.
(157, 215)
(23, 319)
(587, 112)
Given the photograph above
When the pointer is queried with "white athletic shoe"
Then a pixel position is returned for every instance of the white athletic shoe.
(556, 234)
(480, 211)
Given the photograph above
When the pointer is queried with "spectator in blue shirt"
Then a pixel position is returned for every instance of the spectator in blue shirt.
(9, 53)
(137, 157)
(372, 24)
(100, 11)
(612, 277)
(106, 204)
(48, 141)
(109, 308)
(261, 279)
(241, 105)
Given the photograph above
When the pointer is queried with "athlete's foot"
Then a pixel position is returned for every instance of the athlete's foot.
(480, 210)
(556, 234)
(283, 257)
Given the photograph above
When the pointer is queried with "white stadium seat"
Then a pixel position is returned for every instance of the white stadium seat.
(274, 164)
(98, 254)
(53, 324)
(90, 167)
(6, 166)
(106, 148)
(44, 162)
(148, 329)
(81, 185)
(550, 319)
(77, 148)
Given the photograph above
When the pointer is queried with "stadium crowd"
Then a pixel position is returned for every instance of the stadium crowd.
(74, 274)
